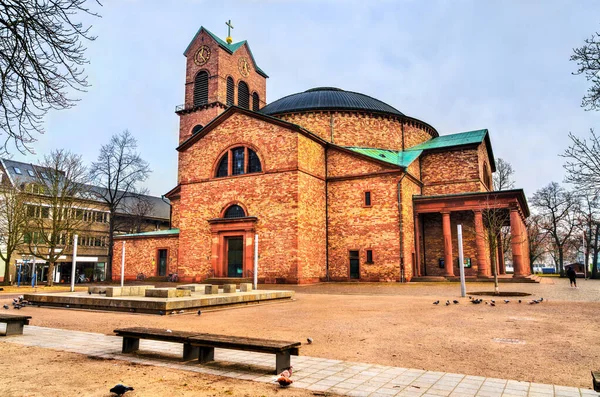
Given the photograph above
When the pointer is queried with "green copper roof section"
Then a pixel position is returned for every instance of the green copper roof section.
(444, 141)
(231, 48)
(157, 233)
(394, 157)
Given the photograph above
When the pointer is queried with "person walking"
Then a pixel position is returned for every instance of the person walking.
(571, 274)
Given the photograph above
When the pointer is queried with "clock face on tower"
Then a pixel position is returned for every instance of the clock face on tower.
(202, 55)
(244, 67)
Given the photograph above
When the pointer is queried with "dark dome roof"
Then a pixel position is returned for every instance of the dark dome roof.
(327, 98)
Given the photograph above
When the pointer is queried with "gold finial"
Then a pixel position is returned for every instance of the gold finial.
(229, 27)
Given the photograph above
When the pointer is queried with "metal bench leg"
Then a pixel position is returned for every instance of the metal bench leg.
(130, 344)
(15, 328)
(190, 352)
(206, 354)
(282, 361)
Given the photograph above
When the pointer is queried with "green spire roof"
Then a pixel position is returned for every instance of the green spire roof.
(394, 157)
(444, 141)
(405, 158)
(231, 48)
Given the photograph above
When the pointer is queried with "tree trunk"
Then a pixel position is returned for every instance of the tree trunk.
(561, 267)
(7, 269)
(50, 274)
(111, 233)
(595, 249)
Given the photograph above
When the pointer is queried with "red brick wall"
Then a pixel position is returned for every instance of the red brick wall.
(434, 241)
(341, 164)
(355, 227)
(362, 130)
(448, 172)
(484, 167)
(277, 147)
(312, 255)
(408, 189)
(141, 256)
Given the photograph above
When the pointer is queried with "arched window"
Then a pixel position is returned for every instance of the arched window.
(197, 128)
(230, 86)
(235, 211)
(243, 161)
(243, 95)
(255, 102)
(201, 89)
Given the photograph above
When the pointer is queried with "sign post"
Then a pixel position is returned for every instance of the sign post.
(74, 262)
(255, 273)
(123, 265)
(461, 262)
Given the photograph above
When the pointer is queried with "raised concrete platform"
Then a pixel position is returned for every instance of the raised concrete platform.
(167, 293)
(504, 278)
(157, 305)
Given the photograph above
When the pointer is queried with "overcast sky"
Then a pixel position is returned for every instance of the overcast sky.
(458, 65)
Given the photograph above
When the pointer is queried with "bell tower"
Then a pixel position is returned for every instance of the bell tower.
(218, 74)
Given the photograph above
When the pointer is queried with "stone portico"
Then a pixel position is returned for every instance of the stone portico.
(436, 218)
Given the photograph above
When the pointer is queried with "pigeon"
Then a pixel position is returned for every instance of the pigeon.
(493, 301)
(17, 307)
(120, 389)
(161, 313)
(5, 306)
(455, 302)
(309, 340)
(199, 312)
(287, 373)
(470, 297)
(173, 312)
(541, 299)
(506, 301)
(181, 311)
(492, 304)
(89, 292)
(436, 302)
(519, 300)
(169, 331)
(447, 303)
(21, 298)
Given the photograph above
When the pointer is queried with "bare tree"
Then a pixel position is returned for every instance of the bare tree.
(588, 224)
(54, 206)
(587, 58)
(494, 220)
(135, 210)
(557, 207)
(583, 162)
(117, 173)
(13, 223)
(503, 177)
(537, 238)
(41, 61)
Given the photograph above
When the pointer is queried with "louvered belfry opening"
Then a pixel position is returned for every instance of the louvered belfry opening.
(243, 95)
(230, 87)
(255, 102)
(201, 89)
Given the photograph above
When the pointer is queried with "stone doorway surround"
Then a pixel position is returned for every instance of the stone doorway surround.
(511, 200)
(223, 228)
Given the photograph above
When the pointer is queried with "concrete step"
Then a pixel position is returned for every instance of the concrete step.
(227, 280)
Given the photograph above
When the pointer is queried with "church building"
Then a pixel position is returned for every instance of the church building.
(335, 186)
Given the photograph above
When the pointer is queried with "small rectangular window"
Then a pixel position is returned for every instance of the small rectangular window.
(369, 256)
(17, 170)
(30, 172)
(367, 199)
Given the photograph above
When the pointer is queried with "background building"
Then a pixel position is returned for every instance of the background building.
(136, 214)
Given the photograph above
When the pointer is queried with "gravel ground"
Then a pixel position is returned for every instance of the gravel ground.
(393, 324)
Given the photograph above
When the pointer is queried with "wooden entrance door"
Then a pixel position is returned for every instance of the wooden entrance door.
(235, 256)
(354, 264)
(162, 262)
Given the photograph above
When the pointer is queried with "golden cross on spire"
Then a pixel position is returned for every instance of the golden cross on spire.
(229, 27)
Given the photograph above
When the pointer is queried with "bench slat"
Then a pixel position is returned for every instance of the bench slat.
(13, 317)
(202, 339)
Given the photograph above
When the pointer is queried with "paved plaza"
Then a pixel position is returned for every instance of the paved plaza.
(311, 373)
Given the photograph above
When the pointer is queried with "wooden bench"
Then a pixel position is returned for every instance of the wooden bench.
(202, 346)
(14, 323)
(596, 380)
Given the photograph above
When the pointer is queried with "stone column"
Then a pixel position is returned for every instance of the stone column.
(501, 264)
(483, 268)
(516, 243)
(418, 246)
(448, 263)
